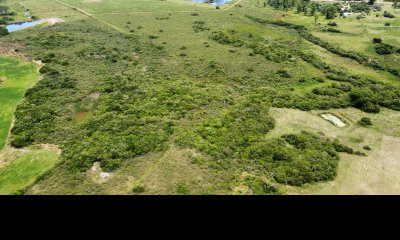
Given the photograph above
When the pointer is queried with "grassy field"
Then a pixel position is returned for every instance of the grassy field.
(129, 80)
(16, 77)
(18, 168)
(378, 173)
(24, 169)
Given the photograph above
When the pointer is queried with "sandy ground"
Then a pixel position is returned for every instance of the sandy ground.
(53, 21)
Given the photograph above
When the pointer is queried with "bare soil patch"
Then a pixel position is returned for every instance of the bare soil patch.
(53, 21)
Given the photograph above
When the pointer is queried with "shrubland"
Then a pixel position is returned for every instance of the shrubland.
(211, 97)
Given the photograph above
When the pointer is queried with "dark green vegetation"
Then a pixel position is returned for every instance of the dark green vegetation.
(6, 17)
(122, 93)
(365, 121)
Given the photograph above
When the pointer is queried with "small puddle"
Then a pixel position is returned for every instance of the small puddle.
(19, 26)
(213, 2)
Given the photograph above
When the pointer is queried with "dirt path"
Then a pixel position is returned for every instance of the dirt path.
(121, 30)
(231, 6)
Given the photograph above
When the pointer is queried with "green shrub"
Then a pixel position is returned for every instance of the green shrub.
(21, 141)
(388, 14)
(365, 121)
(333, 30)
(367, 148)
(384, 49)
(182, 189)
(342, 148)
(138, 189)
(260, 187)
(3, 31)
(377, 40)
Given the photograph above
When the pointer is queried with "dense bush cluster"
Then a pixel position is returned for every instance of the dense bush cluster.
(384, 49)
(358, 7)
(237, 139)
(111, 138)
(38, 111)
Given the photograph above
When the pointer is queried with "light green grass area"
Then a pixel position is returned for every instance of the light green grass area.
(17, 77)
(23, 171)
(127, 6)
(377, 173)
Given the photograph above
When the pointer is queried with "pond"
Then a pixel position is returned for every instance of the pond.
(19, 26)
(213, 2)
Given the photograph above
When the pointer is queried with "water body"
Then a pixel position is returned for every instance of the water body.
(20, 26)
(213, 2)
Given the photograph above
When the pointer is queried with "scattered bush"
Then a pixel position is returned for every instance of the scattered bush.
(182, 189)
(199, 26)
(384, 49)
(368, 148)
(138, 189)
(377, 40)
(365, 121)
(388, 14)
(342, 148)
(332, 24)
(333, 30)
(260, 187)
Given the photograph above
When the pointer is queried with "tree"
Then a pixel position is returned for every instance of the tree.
(312, 9)
(330, 12)
(4, 10)
(3, 31)
(316, 16)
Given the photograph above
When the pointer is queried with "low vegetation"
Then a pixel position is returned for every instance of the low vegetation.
(162, 111)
